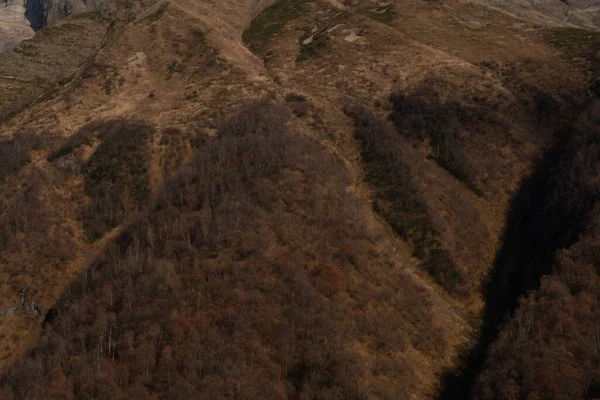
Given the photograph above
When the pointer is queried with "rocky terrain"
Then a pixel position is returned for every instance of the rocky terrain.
(299, 199)
(19, 19)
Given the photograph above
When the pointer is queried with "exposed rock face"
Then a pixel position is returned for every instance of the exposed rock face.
(59, 9)
(584, 9)
(14, 25)
(20, 19)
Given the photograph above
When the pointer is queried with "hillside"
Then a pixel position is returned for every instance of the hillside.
(583, 13)
(296, 199)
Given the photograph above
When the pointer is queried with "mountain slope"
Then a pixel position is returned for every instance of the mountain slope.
(576, 12)
(306, 249)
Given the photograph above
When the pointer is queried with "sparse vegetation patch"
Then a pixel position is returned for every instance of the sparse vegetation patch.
(270, 22)
(384, 14)
(298, 104)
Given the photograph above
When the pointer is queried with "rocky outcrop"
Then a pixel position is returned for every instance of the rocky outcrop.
(59, 9)
(584, 10)
(20, 19)
(14, 25)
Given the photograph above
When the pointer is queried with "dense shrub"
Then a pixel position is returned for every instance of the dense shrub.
(116, 174)
(31, 234)
(549, 348)
(250, 276)
(15, 152)
(424, 115)
(84, 136)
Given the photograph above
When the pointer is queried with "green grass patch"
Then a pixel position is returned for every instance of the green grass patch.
(270, 22)
(198, 35)
(65, 80)
(26, 49)
(384, 15)
(58, 29)
(192, 46)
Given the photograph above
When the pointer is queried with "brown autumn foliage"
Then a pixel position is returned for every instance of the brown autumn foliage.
(116, 174)
(176, 146)
(250, 276)
(32, 236)
(26, 238)
(424, 115)
(15, 152)
(550, 347)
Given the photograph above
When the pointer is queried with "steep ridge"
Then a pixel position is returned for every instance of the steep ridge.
(538, 271)
(44, 62)
(225, 24)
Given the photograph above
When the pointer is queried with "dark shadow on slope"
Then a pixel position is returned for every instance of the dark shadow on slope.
(116, 174)
(547, 214)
